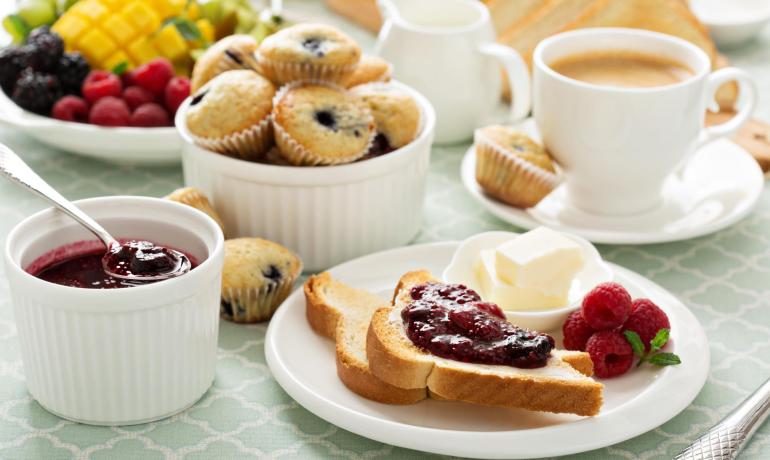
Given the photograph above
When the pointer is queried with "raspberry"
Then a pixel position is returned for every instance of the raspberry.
(646, 319)
(99, 84)
(110, 111)
(136, 96)
(176, 92)
(611, 354)
(150, 115)
(154, 75)
(576, 332)
(71, 108)
(607, 306)
(128, 78)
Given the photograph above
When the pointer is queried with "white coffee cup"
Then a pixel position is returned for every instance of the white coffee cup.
(618, 145)
(446, 50)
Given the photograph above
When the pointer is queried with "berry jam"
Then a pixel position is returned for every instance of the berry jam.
(451, 321)
(81, 265)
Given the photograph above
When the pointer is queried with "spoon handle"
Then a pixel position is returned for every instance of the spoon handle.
(16, 170)
(725, 440)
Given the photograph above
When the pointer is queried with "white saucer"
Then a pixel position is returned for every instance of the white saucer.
(142, 146)
(303, 364)
(719, 186)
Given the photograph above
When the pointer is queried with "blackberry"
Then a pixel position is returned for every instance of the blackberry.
(48, 48)
(36, 92)
(13, 60)
(72, 70)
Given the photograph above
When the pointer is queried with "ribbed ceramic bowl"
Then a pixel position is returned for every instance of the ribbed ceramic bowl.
(119, 356)
(325, 214)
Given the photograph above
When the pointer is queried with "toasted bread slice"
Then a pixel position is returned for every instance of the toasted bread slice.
(342, 313)
(506, 13)
(557, 387)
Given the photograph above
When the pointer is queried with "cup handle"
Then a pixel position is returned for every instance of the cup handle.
(518, 78)
(747, 90)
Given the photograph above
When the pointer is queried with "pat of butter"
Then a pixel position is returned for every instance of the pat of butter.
(506, 296)
(541, 260)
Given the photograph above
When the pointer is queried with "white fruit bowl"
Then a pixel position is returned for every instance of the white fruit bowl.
(325, 214)
(118, 356)
(125, 145)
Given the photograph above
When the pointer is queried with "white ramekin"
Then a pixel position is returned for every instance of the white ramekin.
(325, 214)
(120, 356)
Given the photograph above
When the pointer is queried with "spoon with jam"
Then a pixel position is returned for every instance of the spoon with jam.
(133, 261)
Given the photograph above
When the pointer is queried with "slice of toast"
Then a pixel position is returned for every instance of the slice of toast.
(342, 313)
(557, 387)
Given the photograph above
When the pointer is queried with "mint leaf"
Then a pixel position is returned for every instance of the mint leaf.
(188, 29)
(120, 69)
(664, 359)
(660, 340)
(636, 343)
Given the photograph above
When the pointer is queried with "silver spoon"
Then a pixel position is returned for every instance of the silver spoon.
(17, 171)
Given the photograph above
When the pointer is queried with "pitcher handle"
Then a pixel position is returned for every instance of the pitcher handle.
(518, 78)
(747, 89)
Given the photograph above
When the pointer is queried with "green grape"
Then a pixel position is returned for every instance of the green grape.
(246, 20)
(64, 5)
(212, 10)
(37, 13)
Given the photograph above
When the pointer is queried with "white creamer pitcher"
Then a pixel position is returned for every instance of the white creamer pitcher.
(446, 50)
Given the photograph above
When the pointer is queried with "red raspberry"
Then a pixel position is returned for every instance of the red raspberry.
(128, 78)
(110, 111)
(99, 84)
(646, 319)
(576, 332)
(607, 306)
(154, 75)
(136, 96)
(177, 91)
(611, 353)
(150, 115)
(71, 108)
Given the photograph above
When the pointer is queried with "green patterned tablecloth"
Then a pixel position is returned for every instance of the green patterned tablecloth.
(724, 278)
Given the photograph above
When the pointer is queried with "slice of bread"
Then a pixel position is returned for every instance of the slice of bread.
(342, 313)
(557, 387)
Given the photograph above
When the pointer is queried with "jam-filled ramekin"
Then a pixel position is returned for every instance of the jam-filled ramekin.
(325, 214)
(118, 356)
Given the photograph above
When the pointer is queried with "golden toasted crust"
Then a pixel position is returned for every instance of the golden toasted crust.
(393, 358)
(342, 313)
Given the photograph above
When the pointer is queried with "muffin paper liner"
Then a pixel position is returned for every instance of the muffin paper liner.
(253, 305)
(288, 72)
(509, 178)
(295, 152)
(250, 144)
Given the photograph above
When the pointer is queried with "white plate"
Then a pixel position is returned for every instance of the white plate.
(303, 364)
(146, 146)
(719, 186)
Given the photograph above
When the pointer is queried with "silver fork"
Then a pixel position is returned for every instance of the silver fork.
(726, 439)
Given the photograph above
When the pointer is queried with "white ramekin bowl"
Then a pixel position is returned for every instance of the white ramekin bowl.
(119, 356)
(325, 214)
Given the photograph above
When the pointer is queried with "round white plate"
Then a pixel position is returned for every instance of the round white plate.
(719, 186)
(145, 146)
(303, 364)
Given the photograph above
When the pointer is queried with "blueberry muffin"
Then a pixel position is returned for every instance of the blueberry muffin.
(308, 52)
(195, 198)
(513, 168)
(396, 116)
(257, 277)
(231, 53)
(370, 69)
(321, 125)
(231, 114)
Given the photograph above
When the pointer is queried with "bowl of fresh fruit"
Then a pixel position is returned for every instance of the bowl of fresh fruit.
(104, 78)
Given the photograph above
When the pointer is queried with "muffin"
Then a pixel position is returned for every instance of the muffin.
(321, 125)
(195, 198)
(512, 167)
(308, 52)
(231, 53)
(370, 69)
(257, 276)
(396, 116)
(231, 114)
